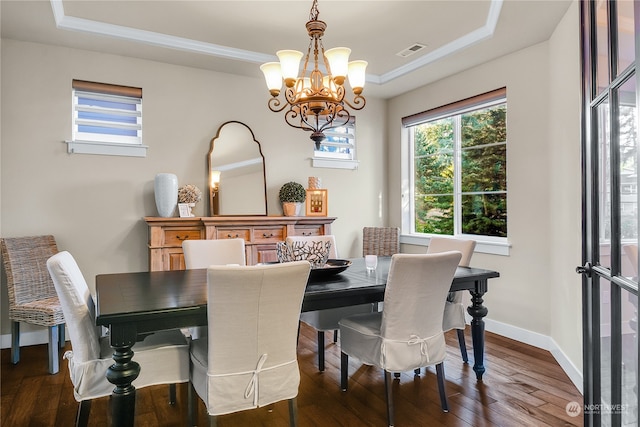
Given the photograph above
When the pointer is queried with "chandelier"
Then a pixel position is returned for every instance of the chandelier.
(315, 101)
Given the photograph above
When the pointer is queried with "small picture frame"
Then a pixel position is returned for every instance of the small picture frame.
(316, 202)
(185, 210)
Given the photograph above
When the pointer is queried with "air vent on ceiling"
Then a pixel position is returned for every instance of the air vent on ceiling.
(416, 47)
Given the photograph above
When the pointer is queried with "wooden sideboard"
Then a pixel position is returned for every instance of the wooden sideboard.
(260, 234)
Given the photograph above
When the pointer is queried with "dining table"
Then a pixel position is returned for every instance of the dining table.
(134, 305)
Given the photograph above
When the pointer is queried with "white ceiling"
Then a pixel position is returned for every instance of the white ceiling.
(237, 36)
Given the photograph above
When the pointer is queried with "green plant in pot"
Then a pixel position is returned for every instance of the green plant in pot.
(290, 195)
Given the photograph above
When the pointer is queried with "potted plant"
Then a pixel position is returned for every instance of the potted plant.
(290, 195)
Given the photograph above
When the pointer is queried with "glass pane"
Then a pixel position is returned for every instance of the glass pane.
(629, 404)
(626, 41)
(434, 175)
(602, 45)
(434, 214)
(604, 202)
(107, 131)
(627, 129)
(605, 353)
(433, 137)
(487, 126)
(484, 214)
(484, 169)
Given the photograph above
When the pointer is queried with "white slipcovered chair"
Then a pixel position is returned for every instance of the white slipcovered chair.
(164, 356)
(407, 334)
(203, 253)
(327, 320)
(454, 308)
(248, 358)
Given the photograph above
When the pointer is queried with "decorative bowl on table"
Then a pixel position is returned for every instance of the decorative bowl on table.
(316, 252)
(331, 267)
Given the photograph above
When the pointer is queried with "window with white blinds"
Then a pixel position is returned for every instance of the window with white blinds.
(338, 150)
(107, 119)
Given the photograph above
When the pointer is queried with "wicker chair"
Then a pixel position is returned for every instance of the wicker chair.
(32, 296)
(381, 241)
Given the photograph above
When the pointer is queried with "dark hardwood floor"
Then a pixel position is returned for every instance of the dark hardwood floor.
(523, 386)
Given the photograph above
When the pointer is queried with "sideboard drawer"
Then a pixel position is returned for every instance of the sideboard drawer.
(175, 237)
(308, 230)
(268, 235)
(233, 233)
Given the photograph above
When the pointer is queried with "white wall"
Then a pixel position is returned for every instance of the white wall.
(537, 297)
(564, 188)
(94, 205)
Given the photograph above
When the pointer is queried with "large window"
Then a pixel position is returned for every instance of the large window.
(457, 170)
(107, 119)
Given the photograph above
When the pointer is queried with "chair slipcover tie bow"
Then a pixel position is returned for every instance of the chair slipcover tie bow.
(424, 349)
(253, 386)
(413, 340)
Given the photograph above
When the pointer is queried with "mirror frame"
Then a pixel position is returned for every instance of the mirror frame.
(214, 208)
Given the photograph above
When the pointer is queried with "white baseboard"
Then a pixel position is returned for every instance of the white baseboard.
(27, 338)
(541, 341)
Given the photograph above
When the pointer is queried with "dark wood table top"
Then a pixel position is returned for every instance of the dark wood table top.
(153, 296)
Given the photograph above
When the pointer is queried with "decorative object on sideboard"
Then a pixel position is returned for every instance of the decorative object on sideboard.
(292, 195)
(188, 196)
(165, 187)
(314, 182)
(316, 100)
(316, 202)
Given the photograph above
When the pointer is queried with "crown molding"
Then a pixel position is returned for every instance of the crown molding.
(71, 23)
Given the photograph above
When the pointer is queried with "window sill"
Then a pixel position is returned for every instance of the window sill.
(107, 149)
(334, 163)
(482, 246)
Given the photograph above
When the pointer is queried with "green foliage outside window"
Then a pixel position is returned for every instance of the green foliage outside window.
(480, 137)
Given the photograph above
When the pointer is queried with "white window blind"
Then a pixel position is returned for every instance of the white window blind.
(338, 150)
(107, 119)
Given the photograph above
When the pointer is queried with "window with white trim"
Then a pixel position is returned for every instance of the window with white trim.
(338, 150)
(107, 119)
(456, 170)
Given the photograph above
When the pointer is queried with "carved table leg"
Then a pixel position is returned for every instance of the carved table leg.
(478, 311)
(121, 374)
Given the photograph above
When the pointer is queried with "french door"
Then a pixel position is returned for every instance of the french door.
(610, 48)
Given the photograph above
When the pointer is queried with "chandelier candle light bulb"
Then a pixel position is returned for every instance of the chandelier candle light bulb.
(315, 101)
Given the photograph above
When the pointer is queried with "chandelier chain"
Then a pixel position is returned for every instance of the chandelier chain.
(314, 13)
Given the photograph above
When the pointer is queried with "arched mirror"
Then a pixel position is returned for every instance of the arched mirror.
(237, 183)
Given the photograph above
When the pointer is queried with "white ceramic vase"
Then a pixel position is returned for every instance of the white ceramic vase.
(165, 186)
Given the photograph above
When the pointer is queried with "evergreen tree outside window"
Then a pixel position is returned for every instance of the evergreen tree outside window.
(458, 168)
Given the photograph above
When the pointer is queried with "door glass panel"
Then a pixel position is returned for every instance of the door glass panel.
(603, 134)
(627, 128)
(629, 404)
(605, 353)
(602, 45)
(626, 41)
